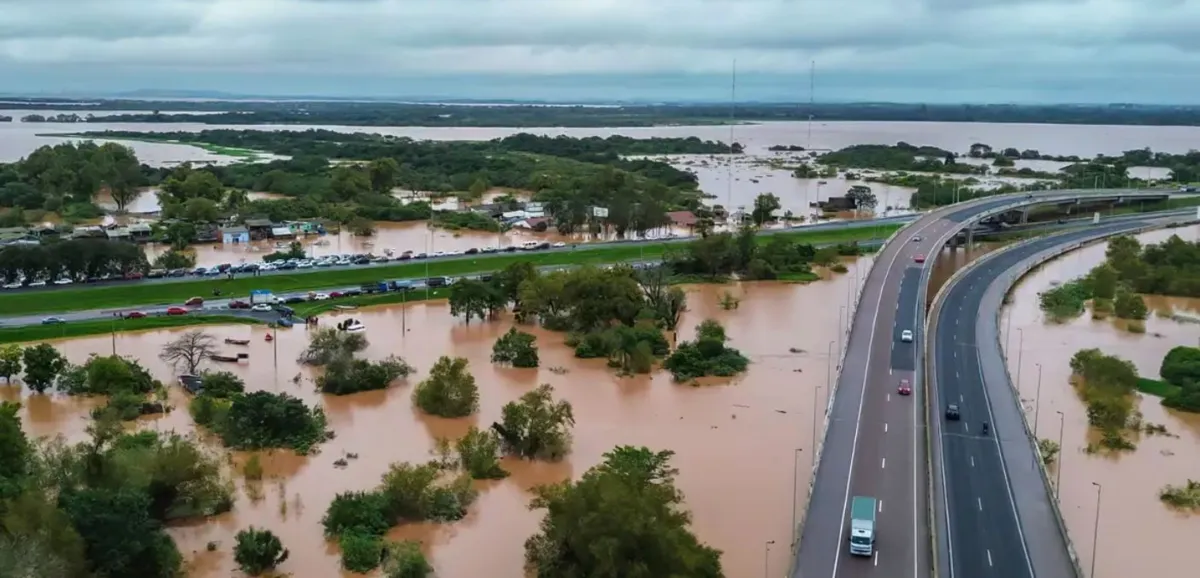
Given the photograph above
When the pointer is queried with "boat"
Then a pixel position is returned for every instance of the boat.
(230, 358)
(351, 326)
(237, 341)
(270, 338)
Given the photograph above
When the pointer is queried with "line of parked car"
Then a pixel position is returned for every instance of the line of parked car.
(345, 260)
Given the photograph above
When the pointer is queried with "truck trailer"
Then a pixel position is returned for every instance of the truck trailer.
(862, 525)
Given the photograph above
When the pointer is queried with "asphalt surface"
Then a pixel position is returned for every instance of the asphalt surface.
(996, 504)
(873, 443)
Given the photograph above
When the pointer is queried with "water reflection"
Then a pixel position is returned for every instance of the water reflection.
(735, 441)
(1138, 534)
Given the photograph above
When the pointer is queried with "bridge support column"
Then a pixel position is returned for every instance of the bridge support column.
(1024, 216)
(970, 239)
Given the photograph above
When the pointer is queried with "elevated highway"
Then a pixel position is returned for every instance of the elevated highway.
(993, 502)
(874, 440)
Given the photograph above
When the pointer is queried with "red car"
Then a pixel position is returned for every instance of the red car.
(176, 311)
(194, 302)
(135, 315)
(335, 295)
(919, 258)
(238, 305)
(905, 388)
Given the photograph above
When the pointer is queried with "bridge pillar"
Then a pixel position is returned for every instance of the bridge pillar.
(970, 238)
(1024, 216)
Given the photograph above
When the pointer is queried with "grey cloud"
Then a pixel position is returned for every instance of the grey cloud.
(997, 39)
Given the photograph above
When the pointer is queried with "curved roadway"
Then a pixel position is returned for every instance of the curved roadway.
(873, 438)
(995, 502)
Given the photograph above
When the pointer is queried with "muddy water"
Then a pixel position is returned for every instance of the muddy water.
(1138, 535)
(735, 443)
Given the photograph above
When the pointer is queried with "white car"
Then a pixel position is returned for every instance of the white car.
(63, 281)
(320, 296)
(559, 245)
(261, 308)
(906, 336)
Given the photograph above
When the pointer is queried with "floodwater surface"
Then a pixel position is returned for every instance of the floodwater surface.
(1137, 533)
(735, 442)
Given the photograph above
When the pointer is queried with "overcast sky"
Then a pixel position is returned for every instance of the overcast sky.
(879, 50)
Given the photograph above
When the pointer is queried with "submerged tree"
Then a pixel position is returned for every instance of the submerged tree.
(189, 351)
(516, 348)
(258, 551)
(536, 426)
(449, 391)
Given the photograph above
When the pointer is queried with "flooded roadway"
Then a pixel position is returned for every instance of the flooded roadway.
(735, 443)
(1138, 534)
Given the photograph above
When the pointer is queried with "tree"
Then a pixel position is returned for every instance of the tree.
(221, 384)
(862, 197)
(261, 420)
(119, 536)
(361, 227)
(630, 505)
(1181, 366)
(478, 453)
(200, 210)
(43, 364)
(179, 234)
(536, 426)
(478, 188)
(328, 344)
(707, 356)
(509, 281)
(175, 260)
(765, 206)
(516, 348)
(10, 361)
(258, 551)
(668, 303)
(449, 391)
(1104, 281)
(405, 560)
(471, 298)
(383, 174)
(189, 351)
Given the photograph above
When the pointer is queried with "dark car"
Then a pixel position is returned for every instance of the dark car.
(904, 388)
(952, 412)
(295, 299)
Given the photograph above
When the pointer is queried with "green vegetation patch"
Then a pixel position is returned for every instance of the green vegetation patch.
(101, 326)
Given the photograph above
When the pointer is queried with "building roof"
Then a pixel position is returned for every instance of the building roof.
(237, 230)
(682, 218)
(258, 223)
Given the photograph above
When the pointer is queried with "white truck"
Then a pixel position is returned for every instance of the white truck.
(862, 525)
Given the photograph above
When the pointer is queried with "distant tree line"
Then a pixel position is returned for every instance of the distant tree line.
(516, 114)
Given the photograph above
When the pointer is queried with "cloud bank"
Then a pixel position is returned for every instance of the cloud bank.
(984, 50)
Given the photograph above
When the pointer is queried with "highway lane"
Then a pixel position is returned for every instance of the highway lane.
(991, 532)
(871, 443)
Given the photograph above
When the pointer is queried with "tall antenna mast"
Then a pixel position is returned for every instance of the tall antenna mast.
(812, 72)
(729, 164)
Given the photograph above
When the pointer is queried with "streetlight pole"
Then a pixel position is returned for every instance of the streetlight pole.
(1008, 333)
(1037, 404)
(1096, 528)
(1058, 474)
(795, 488)
(767, 558)
(813, 459)
(1020, 358)
(841, 312)
(829, 366)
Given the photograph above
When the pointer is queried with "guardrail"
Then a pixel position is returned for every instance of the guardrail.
(1011, 279)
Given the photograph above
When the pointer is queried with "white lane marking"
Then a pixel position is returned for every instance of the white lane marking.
(885, 428)
(965, 428)
(989, 553)
(880, 506)
(889, 397)
(889, 372)
(883, 463)
(961, 399)
(972, 461)
(837, 556)
(980, 502)
(876, 557)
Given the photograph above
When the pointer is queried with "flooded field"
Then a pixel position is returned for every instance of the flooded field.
(736, 443)
(1138, 534)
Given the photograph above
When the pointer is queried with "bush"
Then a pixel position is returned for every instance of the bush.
(477, 454)
(405, 560)
(329, 344)
(449, 391)
(1130, 306)
(366, 513)
(707, 356)
(261, 420)
(221, 384)
(258, 551)
(345, 375)
(516, 348)
(360, 552)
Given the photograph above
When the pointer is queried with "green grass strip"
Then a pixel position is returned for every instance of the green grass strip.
(1156, 387)
(132, 295)
(102, 326)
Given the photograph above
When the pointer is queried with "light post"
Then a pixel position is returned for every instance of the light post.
(1020, 358)
(841, 312)
(813, 459)
(1037, 404)
(829, 366)
(1096, 528)
(767, 558)
(1058, 474)
(795, 488)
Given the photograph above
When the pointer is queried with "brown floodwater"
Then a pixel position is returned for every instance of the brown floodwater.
(735, 443)
(1138, 534)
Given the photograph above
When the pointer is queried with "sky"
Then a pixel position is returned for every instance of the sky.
(933, 51)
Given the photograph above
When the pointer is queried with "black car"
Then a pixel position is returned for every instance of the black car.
(952, 412)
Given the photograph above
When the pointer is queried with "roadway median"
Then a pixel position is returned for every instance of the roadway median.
(125, 295)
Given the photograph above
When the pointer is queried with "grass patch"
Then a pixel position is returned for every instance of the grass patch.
(1156, 387)
(102, 326)
(240, 153)
(165, 293)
